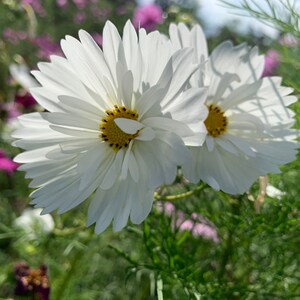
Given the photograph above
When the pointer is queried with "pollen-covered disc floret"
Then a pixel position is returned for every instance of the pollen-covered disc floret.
(216, 122)
(111, 133)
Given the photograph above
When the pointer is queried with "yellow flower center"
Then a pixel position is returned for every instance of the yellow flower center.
(216, 122)
(111, 133)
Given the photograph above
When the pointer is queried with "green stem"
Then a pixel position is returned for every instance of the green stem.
(74, 263)
(235, 205)
(226, 255)
(178, 196)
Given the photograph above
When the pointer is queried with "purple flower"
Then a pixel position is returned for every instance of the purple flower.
(148, 17)
(13, 36)
(46, 47)
(100, 13)
(81, 4)
(33, 282)
(79, 17)
(6, 164)
(271, 63)
(121, 10)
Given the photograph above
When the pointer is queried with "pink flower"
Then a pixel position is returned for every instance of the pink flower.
(271, 63)
(62, 3)
(10, 111)
(169, 208)
(196, 224)
(288, 40)
(6, 164)
(13, 36)
(148, 17)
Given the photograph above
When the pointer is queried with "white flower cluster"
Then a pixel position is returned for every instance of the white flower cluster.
(120, 120)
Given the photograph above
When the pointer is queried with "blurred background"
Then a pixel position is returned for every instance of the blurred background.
(205, 246)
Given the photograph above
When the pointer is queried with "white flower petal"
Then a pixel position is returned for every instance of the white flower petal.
(111, 46)
(146, 134)
(225, 145)
(168, 124)
(133, 167)
(182, 71)
(142, 206)
(128, 126)
(113, 172)
(241, 94)
(77, 105)
(88, 165)
(125, 164)
(34, 155)
(47, 99)
(82, 65)
(71, 120)
(76, 132)
(96, 54)
(195, 140)
(210, 143)
(148, 99)
(127, 88)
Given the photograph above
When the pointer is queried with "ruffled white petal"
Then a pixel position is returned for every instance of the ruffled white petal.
(128, 126)
(168, 124)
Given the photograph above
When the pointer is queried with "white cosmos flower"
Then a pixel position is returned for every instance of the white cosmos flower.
(249, 124)
(105, 130)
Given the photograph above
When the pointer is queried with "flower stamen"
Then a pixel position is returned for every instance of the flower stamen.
(216, 123)
(111, 133)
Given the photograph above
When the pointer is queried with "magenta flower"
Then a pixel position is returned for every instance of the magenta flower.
(271, 63)
(148, 17)
(25, 101)
(6, 164)
(32, 282)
